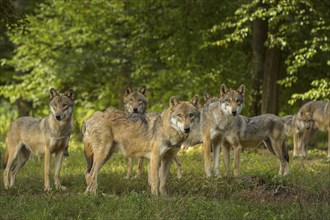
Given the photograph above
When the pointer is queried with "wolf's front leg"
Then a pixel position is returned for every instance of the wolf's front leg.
(237, 158)
(58, 162)
(164, 171)
(47, 168)
(154, 169)
(207, 153)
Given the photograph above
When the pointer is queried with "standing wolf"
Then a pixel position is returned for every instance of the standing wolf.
(300, 135)
(41, 137)
(112, 130)
(253, 131)
(314, 115)
(135, 102)
(217, 115)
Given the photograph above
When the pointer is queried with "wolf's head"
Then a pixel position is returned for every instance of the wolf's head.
(232, 100)
(61, 104)
(184, 115)
(135, 101)
(304, 118)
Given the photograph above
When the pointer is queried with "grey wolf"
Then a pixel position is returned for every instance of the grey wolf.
(41, 137)
(267, 129)
(299, 134)
(217, 115)
(313, 115)
(155, 137)
(135, 102)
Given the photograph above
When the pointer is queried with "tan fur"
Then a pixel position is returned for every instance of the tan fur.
(112, 130)
(41, 137)
(170, 131)
(312, 116)
(251, 132)
(135, 102)
(217, 116)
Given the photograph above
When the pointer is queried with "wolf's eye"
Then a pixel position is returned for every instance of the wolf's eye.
(191, 115)
(179, 115)
(238, 101)
(140, 101)
(64, 105)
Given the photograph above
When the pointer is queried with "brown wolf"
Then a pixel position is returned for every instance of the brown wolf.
(253, 131)
(112, 130)
(41, 137)
(311, 116)
(217, 115)
(170, 130)
(135, 102)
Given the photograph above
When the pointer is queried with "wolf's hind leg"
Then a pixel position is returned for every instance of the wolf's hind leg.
(23, 156)
(12, 154)
(100, 157)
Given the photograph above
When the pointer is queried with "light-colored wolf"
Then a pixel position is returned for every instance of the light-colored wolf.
(41, 137)
(253, 131)
(135, 102)
(112, 130)
(313, 115)
(217, 115)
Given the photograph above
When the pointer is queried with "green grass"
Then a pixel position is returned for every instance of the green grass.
(258, 194)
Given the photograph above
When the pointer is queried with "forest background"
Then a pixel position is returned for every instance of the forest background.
(278, 49)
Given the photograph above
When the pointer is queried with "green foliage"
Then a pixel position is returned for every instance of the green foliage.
(299, 28)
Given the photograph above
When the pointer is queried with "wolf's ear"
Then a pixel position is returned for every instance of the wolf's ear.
(207, 96)
(223, 90)
(174, 101)
(128, 91)
(241, 89)
(69, 93)
(195, 101)
(143, 90)
(53, 93)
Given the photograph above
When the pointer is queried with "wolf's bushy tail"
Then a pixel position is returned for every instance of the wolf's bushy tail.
(5, 159)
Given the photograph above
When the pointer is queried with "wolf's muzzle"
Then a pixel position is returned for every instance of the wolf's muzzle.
(58, 117)
(187, 129)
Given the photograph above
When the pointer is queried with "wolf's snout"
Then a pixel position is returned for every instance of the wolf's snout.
(58, 117)
(135, 110)
(187, 129)
(234, 112)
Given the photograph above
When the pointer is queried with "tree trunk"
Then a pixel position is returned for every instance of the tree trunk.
(269, 87)
(259, 36)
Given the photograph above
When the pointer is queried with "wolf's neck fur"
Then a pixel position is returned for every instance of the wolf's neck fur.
(59, 129)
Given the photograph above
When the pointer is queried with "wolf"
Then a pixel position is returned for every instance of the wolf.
(41, 137)
(217, 115)
(134, 135)
(135, 102)
(312, 116)
(267, 129)
(300, 135)
(170, 130)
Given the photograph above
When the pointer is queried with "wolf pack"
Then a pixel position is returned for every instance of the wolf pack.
(158, 137)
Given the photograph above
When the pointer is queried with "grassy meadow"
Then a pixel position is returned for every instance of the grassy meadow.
(258, 194)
